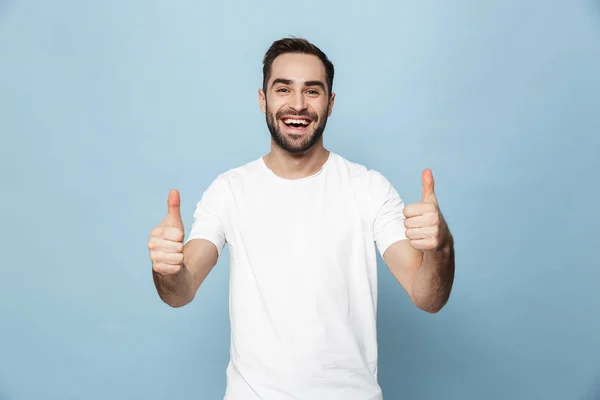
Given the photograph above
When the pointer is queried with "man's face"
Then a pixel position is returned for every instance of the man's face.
(296, 102)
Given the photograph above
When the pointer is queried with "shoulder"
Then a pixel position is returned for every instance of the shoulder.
(227, 183)
(238, 174)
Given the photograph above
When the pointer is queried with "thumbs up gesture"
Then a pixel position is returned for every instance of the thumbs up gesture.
(425, 226)
(166, 240)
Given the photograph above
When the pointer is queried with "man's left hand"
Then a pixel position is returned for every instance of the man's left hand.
(425, 226)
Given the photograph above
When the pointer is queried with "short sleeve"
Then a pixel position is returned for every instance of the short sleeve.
(387, 210)
(209, 216)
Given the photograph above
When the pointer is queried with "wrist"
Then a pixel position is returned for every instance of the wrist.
(445, 246)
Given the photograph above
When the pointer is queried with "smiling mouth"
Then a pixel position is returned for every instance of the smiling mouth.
(296, 123)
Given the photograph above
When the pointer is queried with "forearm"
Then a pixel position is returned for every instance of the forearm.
(434, 278)
(175, 290)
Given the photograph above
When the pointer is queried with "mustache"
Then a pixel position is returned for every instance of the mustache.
(291, 113)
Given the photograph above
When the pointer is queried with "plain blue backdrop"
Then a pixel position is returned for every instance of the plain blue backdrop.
(106, 105)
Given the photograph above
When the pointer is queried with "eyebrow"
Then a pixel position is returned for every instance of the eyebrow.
(283, 81)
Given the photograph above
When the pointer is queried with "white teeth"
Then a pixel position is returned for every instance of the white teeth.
(296, 121)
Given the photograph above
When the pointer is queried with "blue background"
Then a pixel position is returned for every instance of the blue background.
(105, 106)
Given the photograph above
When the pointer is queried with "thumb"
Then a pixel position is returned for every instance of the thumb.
(428, 195)
(174, 213)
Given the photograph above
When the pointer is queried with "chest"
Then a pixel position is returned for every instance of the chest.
(302, 247)
(300, 218)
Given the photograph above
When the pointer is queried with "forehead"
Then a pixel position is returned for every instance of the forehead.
(298, 67)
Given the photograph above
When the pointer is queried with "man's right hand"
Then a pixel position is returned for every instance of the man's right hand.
(166, 240)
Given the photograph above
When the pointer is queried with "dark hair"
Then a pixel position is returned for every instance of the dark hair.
(295, 45)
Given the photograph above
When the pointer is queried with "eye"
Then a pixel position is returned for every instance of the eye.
(313, 92)
(282, 90)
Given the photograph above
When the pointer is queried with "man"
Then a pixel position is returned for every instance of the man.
(303, 226)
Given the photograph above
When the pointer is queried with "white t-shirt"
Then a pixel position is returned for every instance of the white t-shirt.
(303, 280)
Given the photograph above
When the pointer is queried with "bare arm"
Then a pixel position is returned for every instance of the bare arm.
(178, 270)
(426, 276)
(424, 264)
(179, 289)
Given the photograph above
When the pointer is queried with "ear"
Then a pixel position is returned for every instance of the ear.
(331, 102)
(262, 101)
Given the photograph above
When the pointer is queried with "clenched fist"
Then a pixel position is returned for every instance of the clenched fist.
(166, 240)
(425, 226)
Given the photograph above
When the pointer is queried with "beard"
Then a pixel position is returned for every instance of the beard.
(290, 145)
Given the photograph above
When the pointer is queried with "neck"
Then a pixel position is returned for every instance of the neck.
(296, 165)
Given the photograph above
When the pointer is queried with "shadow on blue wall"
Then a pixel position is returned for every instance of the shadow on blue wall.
(3, 394)
(595, 8)
(594, 393)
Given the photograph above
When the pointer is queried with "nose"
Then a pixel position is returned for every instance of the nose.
(298, 102)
